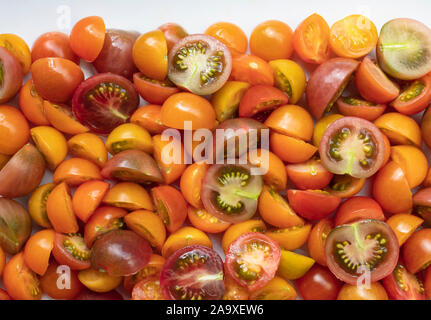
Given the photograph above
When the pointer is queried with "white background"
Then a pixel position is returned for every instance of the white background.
(30, 18)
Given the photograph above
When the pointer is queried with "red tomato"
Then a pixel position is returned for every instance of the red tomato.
(317, 239)
(71, 250)
(313, 204)
(416, 251)
(154, 91)
(415, 98)
(358, 208)
(319, 284)
(311, 175)
(53, 44)
(251, 69)
(261, 98)
(352, 107)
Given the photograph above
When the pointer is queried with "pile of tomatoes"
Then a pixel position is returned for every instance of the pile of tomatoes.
(117, 217)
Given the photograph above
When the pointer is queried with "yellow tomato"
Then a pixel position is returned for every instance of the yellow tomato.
(289, 78)
(413, 162)
(276, 289)
(18, 48)
(51, 143)
(129, 136)
(322, 125)
(226, 100)
(128, 195)
(88, 146)
(37, 204)
(98, 281)
(293, 265)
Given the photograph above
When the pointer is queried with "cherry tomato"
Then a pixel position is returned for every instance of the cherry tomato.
(290, 238)
(293, 265)
(272, 40)
(227, 99)
(352, 107)
(246, 262)
(345, 186)
(353, 37)
(422, 204)
(400, 129)
(4, 295)
(2, 261)
(275, 289)
(71, 250)
(38, 249)
(90, 295)
(368, 243)
(375, 291)
(87, 37)
(99, 281)
(358, 208)
(60, 116)
(163, 150)
(129, 136)
(56, 275)
(310, 175)
(251, 69)
(150, 54)
(59, 210)
(426, 127)
(231, 35)
(87, 197)
(19, 281)
(404, 225)
(14, 130)
(147, 289)
(76, 171)
(154, 91)
(290, 149)
(151, 270)
(184, 237)
(327, 83)
(170, 205)
(31, 104)
(191, 183)
(51, 45)
(88, 146)
(391, 189)
(233, 291)
(150, 118)
(415, 97)
(261, 98)
(37, 204)
(11, 72)
(317, 239)
(238, 229)
(373, 84)
(56, 79)
(51, 143)
(275, 176)
(173, 33)
(289, 78)
(184, 277)
(413, 162)
(416, 251)
(128, 195)
(319, 284)
(18, 48)
(206, 222)
(322, 125)
(311, 40)
(427, 282)
(313, 204)
(402, 285)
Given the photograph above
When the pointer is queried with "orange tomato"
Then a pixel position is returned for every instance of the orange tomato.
(61, 118)
(59, 210)
(148, 225)
(251, 69)
(31, 104)
(404, 225)
(275, 176)
(18, 48)
(230, 34)
(233, 291)
(38, 249)
(51, 143)
(275, 289)
(272, 40)
(317, 239)
(238, 229)
(186, 106)
(87, 197)
(20, 282)
(290, 238)
(87, 37)
(76, 171)
(50, 280)
(376, 291)
(170, 171)
(88, 146)
(191, 183)
(353, 37)
(427, 182)
(271, 201)
(37, 204)
(186, 236)
(202, 220)
(400, 129)
(2, 261)
(99, 281)
(345, 186)
(413, 162)
(293, 121)
(150, 54)
(129, 136)
(149, 117)
(14, 130)
(128, 195)
(290, 149)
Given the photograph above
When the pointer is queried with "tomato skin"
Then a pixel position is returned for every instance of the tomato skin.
(185, 237)
(268, 268)
(413, 162)
(76, 171)
(14, 130)
(87, 37)
(170, 171)
(147, 289)
(56, 79)
(317, 50)
(251, 69)
(400, 129)
(261, 98)
(31, 104)
(416, 251)
(415, 104)
(404, 225)
(402, 285)
(191, 183)
(206, 222)
(290, 149)
(364, 111)
(153, 91)
(275, 176)
(12, 75)
(427, 283)
(316, 240)
(4, 295)
(311, 175)
(87, 198)
(313, 205)
(290, 238)
(358, 208)
(352, 292)
(373, 84)
(231, 35)
(53, 44)
(38, 249)
(325, 84)
(238, 229)
(233, 291)
(48, 283)
(318, 284)
(152, 269)
(173, 33)
(18, 48)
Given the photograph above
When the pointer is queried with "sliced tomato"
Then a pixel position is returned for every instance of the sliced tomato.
(353, 107)
(310, 175)
(154, 91)
(71, 250)
(415, 98)
(261, 98)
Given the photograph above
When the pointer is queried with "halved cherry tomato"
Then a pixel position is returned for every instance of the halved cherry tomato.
(104, 219)
(272, 40)
(391, 189)
(275, 289)
(166, 149)
(260, 98)
(171, 206)
(184, 237)
(293, 265)
(290, 238)
(148, 289)
(99, 281)
(271, 201)
(152, 269)
(246, 262)
(88, 146)
(128, 195)
(353, 37)
(71, 250)
(60, 283)
(290, 149)
(31, 104)
(427, 283)
(154, 91)
(251, 69)
(310, 175)
(322, 125)
(413, 162)
(37, 204)
(173, 33)
(400, 129)
(149, 117)
(150, 54)
(87, 197)
(358, 208)
(14, 130)
(51, 143)
(129, 136)
(227, 99)
(404, 225)
(233, 291)
(230, 34)
(238, 229)
(416, 251)
(275, 176)
(375, 291)
(291, 120)
(422, 204)
(290, 78)
(18, 48)
(318, 284)
(313, 204)
(317, 239)
(206, 222)
(373, 84)
(20, 282)
(76, 171)
(415, 97)
(311, 40)
(53, 44)
(11, 71)
(148, 225)
(352, 107)
(345, 186)
(87, 37)
(62, 118)
(59, 210)
(38, 249)
(191, 183)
